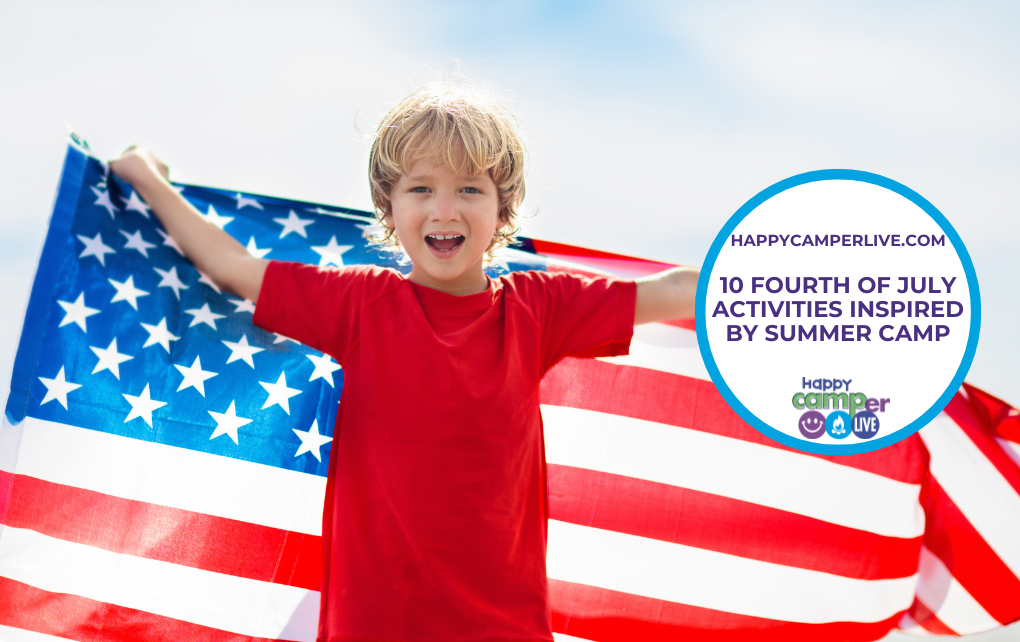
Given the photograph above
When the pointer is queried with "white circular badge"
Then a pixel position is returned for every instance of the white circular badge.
(838, 312)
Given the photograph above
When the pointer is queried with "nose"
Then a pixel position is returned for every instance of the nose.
(444, 207)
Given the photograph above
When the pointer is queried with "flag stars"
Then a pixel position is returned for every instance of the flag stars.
(171, 280)
(311, 441)
(194, 377)
(280, 339)
(241, 351)
(57, 388)
(216, 219)
(127, 291)
(331, 253)
(204, 315)
(324, 368)
(109, 359)
(103, 200)
(242, 305)
(254, 249)
(76, 312)
(95, 247)
(136, 204)
(293, 224)
(136, 242)
(143, 406)
(169, 242)
(227, 422)
(158, 334)
(279, 393)
(204, 278)
(244, 201)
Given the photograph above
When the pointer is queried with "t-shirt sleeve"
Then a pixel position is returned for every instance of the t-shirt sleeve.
(580, 316)
(320, 307)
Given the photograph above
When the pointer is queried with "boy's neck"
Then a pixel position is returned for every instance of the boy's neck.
(466, 284)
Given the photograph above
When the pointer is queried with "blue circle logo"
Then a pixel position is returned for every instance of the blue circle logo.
(865, 425)
(837, 424)
(812, 424)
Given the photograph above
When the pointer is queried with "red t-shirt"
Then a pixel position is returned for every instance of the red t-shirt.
(435, 521)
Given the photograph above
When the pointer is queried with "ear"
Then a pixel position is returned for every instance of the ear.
(387, 220)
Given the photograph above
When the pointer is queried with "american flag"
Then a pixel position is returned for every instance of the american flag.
(163, 462)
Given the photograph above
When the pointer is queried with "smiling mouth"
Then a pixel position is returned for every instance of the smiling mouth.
(444, 242)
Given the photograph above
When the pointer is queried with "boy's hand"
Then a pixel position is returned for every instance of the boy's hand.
(138, 164)
(212, 250)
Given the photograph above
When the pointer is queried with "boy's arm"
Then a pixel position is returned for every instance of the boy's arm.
(666, 295)
(212, 250)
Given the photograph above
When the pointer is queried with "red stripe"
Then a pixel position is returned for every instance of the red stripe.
(1001, 418)
(79, 618)
(686, 402)
(574, 252)
(978, 428)
(952, 538)
(609, 616)
(927, 619)
(710, 522)
(166, 534)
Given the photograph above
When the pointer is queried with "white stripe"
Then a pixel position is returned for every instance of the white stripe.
(1012, 449)
(948, 600)
(11, 634)
(658, 346)
(732, 468)
(560, 637)
(238, 605)
(707, 579)
(980, 492)
(170, 476)
(910, 627)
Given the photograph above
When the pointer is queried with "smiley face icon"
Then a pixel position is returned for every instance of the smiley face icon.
(812, 424)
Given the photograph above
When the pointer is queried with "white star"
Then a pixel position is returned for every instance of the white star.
(255, 251)
(142, 406)
(279, 393)
(227, 423)
(204, 315)
(216, 219)
(293, 224)
(177, 188)
(321, 210)
(242, 305)
(324, 368)
(311, 441)
(241, 351)
(171, 280)
(76, 312)
(57, 388)
(127, 291)
(104, 200)
(136, 242)
(244, 201)
(204, 278)
(159, 334)
(331, 253)
(109, 359)
(136, 204)
(500, 261)
(95, 247)
(280, 339)
(169, 241)
(194, 377)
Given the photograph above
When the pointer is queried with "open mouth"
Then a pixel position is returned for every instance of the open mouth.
(444, 242)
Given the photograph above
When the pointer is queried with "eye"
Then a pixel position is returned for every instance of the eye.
(421, 189)
(472, 190)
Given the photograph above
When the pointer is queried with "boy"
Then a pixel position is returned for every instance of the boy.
(435, 519)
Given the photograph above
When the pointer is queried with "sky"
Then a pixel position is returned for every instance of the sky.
(648, 123)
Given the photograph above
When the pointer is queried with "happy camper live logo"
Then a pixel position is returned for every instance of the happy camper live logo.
(848, 413)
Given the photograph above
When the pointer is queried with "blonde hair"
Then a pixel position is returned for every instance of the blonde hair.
(468, 130)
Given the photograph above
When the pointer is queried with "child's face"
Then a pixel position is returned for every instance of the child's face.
(433, 201)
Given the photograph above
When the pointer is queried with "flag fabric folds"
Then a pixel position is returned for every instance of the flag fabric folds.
(163, 462)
